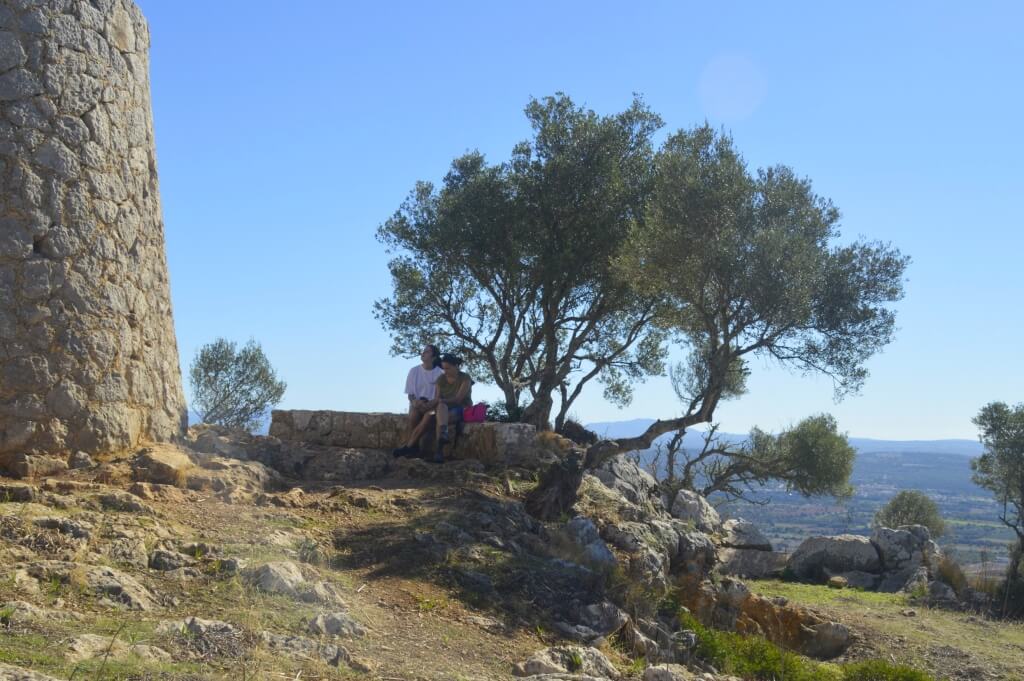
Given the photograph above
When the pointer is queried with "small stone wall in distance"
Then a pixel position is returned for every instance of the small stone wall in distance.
(503, 444)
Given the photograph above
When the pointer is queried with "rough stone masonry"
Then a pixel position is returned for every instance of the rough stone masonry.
(88, 358)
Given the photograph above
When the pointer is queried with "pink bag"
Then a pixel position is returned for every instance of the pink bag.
(475, 414)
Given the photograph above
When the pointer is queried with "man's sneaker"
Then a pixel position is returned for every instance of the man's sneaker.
(404, 451)
(442, 439)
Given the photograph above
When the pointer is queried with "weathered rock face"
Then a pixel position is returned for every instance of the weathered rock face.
(88, 358)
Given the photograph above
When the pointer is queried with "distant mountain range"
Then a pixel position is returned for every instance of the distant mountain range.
(695, 439)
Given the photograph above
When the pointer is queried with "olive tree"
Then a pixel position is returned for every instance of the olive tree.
(743, 264)
(1000, 468)
(233, 387)
(911, 507)
(512, 262)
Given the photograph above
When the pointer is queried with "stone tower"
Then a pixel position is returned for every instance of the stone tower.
(88, 358)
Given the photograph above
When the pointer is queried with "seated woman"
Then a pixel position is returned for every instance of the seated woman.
(454, 393)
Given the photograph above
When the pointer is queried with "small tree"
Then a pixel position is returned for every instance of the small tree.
(911, 507)
(1000, 469)
(232, 387)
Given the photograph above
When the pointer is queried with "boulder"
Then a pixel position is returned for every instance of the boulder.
(282, 577)
(692, 507)
(751, 563)
(817, 556)
(635, 484)
(336, 624)
(738, 533)
(568, 659)
(906, 548)
(163, 465)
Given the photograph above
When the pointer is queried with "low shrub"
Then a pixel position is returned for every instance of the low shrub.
(949, 572)
(880, 670)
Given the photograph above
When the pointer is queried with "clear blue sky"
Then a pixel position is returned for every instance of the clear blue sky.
(287, 132)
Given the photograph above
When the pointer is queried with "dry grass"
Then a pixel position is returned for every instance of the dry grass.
(948, 644)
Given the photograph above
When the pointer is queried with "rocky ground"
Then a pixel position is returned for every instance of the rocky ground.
(175, 564)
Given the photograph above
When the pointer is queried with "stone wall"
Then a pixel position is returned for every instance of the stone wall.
(88, 358)
(504, 444)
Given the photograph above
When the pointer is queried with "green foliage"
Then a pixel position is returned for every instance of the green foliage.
(1000, 469)
(754, 657)
(747, 263)
(880, 670)
(232, 387)
(511, 261)
(911, 507)
(811, 458)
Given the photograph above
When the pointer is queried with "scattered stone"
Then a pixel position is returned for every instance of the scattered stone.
(124, 502)
(111, 585)
(77, 530)
(837, 582)
(909, 612)
(300, 646)
(12, 673)
(90, 646)
(568, 659)
(155, 492)
(21, 611)
(668, 672)
(165, 560)
(336, 624)
(206, 638)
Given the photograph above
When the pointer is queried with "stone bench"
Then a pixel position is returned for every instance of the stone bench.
(501, 444)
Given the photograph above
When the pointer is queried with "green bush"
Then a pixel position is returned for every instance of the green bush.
(754, 657)
(880, 670)
(950, 573)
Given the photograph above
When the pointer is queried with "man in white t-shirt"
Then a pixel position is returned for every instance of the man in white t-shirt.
(419, 385)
